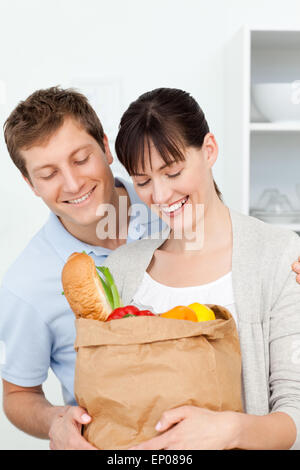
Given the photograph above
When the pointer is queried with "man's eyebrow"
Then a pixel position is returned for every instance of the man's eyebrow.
(159, 169)
(50, 165)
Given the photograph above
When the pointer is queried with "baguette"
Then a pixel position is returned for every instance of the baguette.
(83, 288)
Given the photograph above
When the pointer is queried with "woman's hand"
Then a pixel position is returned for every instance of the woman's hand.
(296, 268)
(190, 427)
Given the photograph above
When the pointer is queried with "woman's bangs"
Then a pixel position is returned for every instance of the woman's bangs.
(134, 153)
(139, 150)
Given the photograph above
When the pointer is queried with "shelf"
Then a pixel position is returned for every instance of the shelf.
(259, 154)
(274, 127)
(275, 39)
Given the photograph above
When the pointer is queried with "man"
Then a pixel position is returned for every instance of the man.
(57, 142)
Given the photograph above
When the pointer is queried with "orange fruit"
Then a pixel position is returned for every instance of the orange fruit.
(180, 313)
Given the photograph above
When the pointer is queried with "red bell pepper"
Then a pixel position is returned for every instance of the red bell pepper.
(145, 313)
(128, 311)
(120, 312)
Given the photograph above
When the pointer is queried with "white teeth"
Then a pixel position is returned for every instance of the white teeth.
(174, 207)
(83, 198)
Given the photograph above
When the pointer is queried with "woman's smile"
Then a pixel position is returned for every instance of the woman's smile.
(172, 210)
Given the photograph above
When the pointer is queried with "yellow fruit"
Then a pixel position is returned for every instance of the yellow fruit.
(203, 313)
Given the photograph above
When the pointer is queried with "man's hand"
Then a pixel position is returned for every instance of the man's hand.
(296, 268)
(28, 409)
(65, 430)
(190, 427)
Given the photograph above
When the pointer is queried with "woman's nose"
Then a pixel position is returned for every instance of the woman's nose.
(161, 193)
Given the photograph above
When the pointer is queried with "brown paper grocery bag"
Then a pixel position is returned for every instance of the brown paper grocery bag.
(129, 371)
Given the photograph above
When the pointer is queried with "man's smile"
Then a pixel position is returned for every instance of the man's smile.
(81, 199)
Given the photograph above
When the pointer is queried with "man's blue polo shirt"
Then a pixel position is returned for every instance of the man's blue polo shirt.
(37, 325)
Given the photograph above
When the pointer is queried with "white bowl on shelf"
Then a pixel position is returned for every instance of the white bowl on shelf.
(277, 102)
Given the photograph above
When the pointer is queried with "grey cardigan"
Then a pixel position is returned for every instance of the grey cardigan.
(267, 301)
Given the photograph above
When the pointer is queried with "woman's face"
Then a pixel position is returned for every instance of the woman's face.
(179, 192)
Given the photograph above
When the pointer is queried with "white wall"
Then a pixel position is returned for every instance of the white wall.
(142, 45)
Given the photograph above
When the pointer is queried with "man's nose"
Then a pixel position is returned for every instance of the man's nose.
(71, 181)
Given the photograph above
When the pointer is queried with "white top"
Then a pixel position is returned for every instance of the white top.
(161, 298)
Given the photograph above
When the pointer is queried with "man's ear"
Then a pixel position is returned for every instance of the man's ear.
(30, 185)
(108, 153)
(210, 148)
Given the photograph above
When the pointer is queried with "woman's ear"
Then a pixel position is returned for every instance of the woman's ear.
(108, 153)
(210, 149)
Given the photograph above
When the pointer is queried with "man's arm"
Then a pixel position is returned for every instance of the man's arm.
(29, 410)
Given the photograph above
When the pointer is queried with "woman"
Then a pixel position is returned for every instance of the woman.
(211, 255)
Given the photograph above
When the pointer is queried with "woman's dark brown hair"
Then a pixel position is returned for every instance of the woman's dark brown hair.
(167, 117)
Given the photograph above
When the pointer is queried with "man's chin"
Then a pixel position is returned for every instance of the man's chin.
(83, 221)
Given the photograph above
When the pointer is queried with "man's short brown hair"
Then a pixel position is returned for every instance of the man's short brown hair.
(35, 120)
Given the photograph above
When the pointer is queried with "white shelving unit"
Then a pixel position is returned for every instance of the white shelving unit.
(273, 127)
(259, 155)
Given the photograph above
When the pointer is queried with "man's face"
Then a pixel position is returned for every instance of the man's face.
(71, 173)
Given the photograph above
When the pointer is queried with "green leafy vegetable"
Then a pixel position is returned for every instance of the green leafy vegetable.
(107, 291)
(110, 287)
